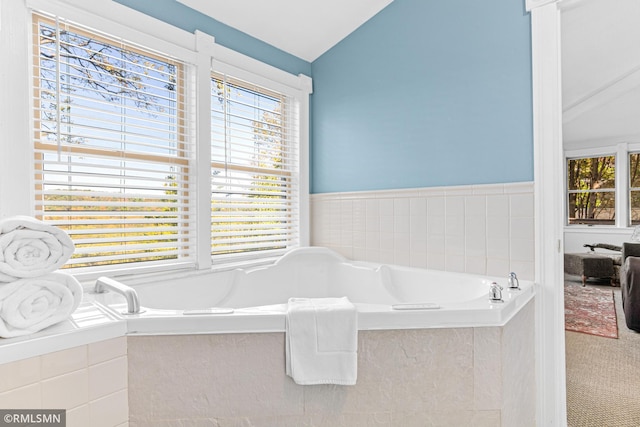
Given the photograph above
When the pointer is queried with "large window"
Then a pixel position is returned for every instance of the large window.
(591, 190)
(156, 155)
(254, 182)
(112, 154)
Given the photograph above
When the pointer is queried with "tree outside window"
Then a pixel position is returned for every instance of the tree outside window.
(634, 187)
(591, 190)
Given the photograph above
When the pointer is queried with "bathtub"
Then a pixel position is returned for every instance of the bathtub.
(254, 300)
(211, 346)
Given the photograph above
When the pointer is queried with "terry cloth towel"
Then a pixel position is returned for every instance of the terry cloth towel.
(322, 341)
(30, 305)
(31, 248)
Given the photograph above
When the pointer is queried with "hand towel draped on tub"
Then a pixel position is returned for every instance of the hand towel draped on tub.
(31, 304)
(31, 248)
(321, 341)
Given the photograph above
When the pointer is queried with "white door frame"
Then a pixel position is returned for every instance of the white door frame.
(548, 178)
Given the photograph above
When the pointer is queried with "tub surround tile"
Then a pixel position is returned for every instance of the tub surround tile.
(107, 377)
(518, 369)
(65, 361)
(19, 374)
(67, 380)
(193, 422)
(230, 373)
(486, 419)
(78, 417)
(450, 418)
(477, 214)
(106, 350)
(421, 377)
(27, 397)
(66, 391)
(487, 368)
(110, 410)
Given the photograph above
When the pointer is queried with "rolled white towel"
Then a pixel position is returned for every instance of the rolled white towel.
(32, 304)
(31, 248)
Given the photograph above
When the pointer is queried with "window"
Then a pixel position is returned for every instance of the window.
(634, 187)
(142, 171)
(254, 179)
(591, 190)
(112, 150)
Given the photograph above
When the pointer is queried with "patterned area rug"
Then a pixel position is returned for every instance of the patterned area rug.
(590, 310)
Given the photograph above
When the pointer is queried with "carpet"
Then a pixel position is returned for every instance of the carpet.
(590, 310)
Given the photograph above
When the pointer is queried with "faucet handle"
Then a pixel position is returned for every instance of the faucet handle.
(514, 283)
(496, 292)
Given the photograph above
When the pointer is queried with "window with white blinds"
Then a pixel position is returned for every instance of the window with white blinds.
(254, 176)
(112, 153)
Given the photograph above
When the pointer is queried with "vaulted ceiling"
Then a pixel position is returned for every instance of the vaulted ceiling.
(304, 28)
(600, 71)
(600, 52)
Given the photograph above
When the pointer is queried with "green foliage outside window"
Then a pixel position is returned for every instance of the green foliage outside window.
(591, 190)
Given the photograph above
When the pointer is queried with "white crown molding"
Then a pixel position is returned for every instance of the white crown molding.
(532, 4)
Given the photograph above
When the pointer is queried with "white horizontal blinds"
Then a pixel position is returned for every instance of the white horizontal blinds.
(111, 151)
(254, 180)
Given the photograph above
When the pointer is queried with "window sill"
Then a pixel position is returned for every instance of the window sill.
(598, 229)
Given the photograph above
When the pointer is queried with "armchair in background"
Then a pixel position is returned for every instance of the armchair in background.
(630, 284)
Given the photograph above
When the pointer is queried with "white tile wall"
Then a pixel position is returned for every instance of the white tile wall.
(89, 381)
(479, 229)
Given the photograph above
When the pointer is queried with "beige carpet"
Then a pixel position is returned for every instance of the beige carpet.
(603, 377)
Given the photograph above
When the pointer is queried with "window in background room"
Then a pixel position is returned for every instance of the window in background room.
(112, 154)
(591, 190)
(254, 176)
(634, 187)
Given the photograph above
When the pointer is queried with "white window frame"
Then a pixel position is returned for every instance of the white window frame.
(590, 153)
(621, 151)
(199, 49)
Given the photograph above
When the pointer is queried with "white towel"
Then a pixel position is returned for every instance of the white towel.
(322, 341)
(31, 248)
(32, 304)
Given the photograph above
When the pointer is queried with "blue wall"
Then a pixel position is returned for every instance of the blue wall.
(183, 17)
(427, 93)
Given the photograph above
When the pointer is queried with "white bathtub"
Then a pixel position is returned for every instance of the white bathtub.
(258, 296)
